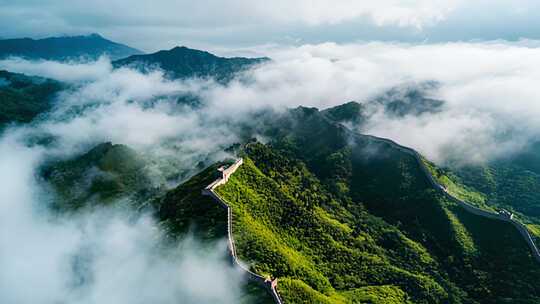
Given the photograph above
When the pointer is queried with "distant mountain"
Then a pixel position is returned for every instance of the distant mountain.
(397, 102)
(349, 112)
(183, 62)
(410, 99)
(63, 48)
(23, 97)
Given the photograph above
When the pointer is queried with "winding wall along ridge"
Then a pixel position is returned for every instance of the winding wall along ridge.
(268, 284)
(271, 285)
(503, 216)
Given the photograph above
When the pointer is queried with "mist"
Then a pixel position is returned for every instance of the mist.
(105, 254)
(490, 109)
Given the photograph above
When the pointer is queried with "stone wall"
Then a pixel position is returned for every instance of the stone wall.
(269, 284)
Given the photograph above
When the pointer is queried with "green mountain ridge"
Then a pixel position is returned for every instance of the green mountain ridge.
(343, 220)
(508, 182)
(183, 62)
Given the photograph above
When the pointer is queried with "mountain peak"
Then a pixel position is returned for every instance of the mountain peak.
(180, 48)
(95, 35)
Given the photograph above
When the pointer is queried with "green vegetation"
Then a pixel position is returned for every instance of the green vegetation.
(336, 216)
(22, 97)
(349, 112)
(109, 173)
(534, 229)
(184, 209)
(297, 231)
(103, 174)
(511, 183)
(535, 233)
(455, 187)
(507, 184)
(308, 243)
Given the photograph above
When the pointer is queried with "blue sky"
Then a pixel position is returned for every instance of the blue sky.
(241, 23)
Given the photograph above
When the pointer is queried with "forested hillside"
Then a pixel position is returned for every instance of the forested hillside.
(24, 97)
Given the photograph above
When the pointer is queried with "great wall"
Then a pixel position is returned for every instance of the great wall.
(269, 284)
(502, 215)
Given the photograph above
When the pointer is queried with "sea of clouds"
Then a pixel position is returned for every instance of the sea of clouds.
(491, 109)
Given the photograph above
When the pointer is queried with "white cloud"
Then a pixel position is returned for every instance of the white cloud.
(74, 71)
(489, 89)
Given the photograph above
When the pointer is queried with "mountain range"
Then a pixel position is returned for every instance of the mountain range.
(88, 47)
(336, 216)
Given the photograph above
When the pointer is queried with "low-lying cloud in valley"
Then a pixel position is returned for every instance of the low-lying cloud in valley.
(104, 255)
(490, 109)
(491, 100)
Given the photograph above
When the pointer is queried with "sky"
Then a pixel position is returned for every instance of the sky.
(215, 24)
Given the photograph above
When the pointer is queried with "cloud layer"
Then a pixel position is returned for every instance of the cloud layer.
(489, 88)
(491, 100)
